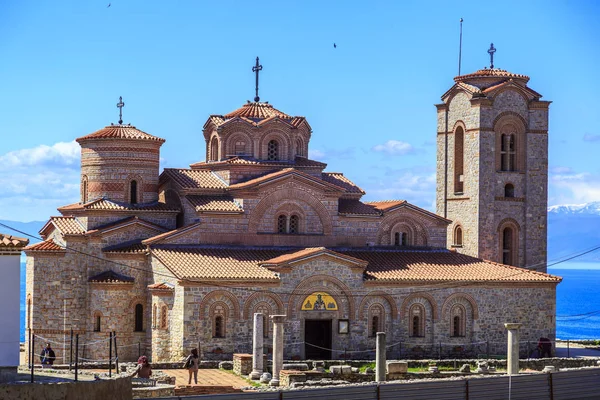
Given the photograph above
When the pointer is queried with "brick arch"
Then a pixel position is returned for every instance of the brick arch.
(139, 186)
(284, 194)
(459, 123)
(426, 296)
(516, 89)
(314, 284)
(390, 222)
(510, 115)
(284, 144)
(233, 137)
(211, 298)
(505, 223)
(362, 308)
(258, 297)
(451, 300)
(137, 299)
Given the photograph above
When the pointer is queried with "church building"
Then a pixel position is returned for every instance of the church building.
(183, 258)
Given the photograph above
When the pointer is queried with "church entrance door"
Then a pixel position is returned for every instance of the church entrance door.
(317, 332)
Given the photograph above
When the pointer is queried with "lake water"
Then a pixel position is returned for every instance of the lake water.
(577, 298)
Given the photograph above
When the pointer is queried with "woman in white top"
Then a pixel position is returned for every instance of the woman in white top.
(192, 362)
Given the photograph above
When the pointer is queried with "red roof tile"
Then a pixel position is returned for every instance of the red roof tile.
(338, 179)
(194, 179)
(120, 132)
(489, 72)
(215, 204)
(158, 238)
(308, 253)
(385, 205)
(66, 225)
(106, 204)
(256, 110)
(134, 247)
(47, 246)
(298, 162)
(281, 174)
(161, 286)
(123, 222)
(356, 207)
(9, 241)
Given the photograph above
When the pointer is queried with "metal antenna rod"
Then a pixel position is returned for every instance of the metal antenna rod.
(460, 47)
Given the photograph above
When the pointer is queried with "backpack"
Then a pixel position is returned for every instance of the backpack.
(188, 363)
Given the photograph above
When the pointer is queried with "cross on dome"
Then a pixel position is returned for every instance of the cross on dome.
(120, 106)
(256, 69)
(491, 52)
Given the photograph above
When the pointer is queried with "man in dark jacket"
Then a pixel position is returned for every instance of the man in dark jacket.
(47, 355)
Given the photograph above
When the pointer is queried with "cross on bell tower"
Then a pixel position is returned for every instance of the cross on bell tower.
(120, 106)
(491, 52)
(256, 70)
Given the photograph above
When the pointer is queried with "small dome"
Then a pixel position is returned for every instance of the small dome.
(487, 77)
(256, 111)
(120, 132)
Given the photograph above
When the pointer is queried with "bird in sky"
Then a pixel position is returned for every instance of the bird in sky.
(334, 46)
(108, 5)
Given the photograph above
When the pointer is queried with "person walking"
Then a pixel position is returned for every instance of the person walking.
(191, 364)
(47, 356)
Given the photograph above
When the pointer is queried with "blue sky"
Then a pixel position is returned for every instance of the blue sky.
(369, 101)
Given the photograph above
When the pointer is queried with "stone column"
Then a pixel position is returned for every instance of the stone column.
(257, 346)
(277, 347)
(512, 362)
(380, 366)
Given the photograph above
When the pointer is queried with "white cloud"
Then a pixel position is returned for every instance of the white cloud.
(38, 180)
(395, 148)
(569, 187)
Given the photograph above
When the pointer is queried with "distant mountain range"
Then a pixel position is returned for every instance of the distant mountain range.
(572, 229)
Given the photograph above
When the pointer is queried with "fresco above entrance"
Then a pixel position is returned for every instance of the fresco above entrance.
(319, 301)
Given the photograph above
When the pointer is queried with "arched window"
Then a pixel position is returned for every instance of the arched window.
(507, 246)
(299, 148)
(397, 239)
(458, 236)
(219, 321)
(133, 192)
(154, 326)
(507, 152)
(400, 239)
(84, 190)
(417, 320)
(139, 318)
(374, 325)
(509, 190)
(282, 224)
(214, 149)
(458, 323)
(294, 222)
(273, 150)
(376, 318)
(458, 160)
(97, 322)
(163, 317)
(240, 148)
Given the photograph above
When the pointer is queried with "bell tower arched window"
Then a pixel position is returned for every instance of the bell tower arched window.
(459, 139)
(507, 152)
(507, 246)
(458, 236)
(273, 150)
(509, 190)
(214, 149)
(133, 187)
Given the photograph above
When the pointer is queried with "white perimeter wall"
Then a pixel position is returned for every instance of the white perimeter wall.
(9, 310)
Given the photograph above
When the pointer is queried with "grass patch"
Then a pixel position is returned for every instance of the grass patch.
(248, 380)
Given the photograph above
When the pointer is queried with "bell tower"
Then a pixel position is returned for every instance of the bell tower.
(492, 167)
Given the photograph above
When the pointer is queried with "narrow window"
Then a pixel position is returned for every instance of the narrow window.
(299, 148)
(456, 330)
(404, 237)
(133, 192)
(163, 317)
(139, 318)
(507, 152)
(458, 160)
(219, 322)
(458, 236)
(416, 324)
(417, 317)
(507, 246)
(294, 222)
(154, 317)
(282, 224)
(374, 325)
(97, 323)
(84, 190)
(214, 149)
(397, 239)
(240, 148)
(273, 150)
(509, 190)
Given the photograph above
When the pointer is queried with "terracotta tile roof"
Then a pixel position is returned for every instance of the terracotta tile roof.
(385, 205)
(298, 162)
(282, 173)
(161, 286)
(256, 110)
(356, 207)
(123, 222)
(310, 252)
(106, 204)
(338, 179)
(133, 247)
(66, 225)
(224, 264)
(47, 246)
(214, 204)
(193, 179)
(489, 72)
(158, 238)
(9, 241)
(384, 265)
(110, 276)
(508, 83)
(405, 266)
(120, 132)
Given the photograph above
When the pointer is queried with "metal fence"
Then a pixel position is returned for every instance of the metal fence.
(568, 385)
